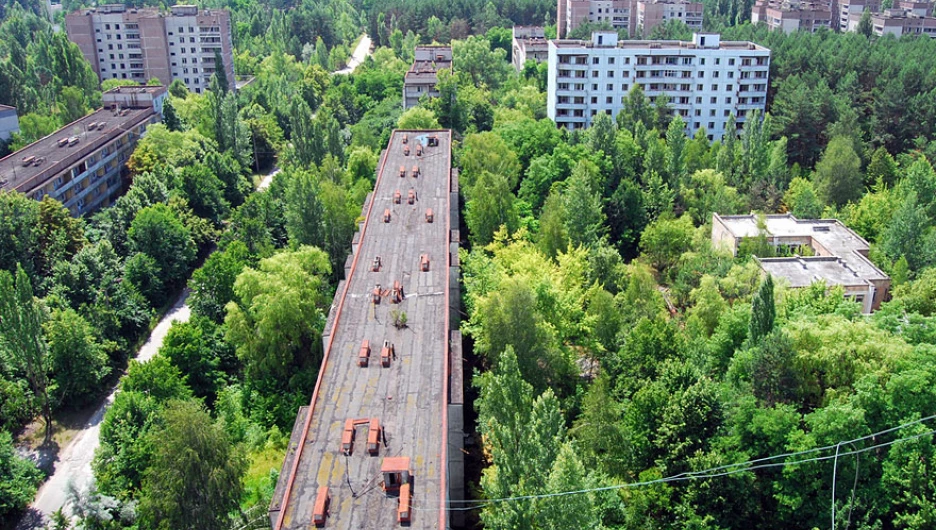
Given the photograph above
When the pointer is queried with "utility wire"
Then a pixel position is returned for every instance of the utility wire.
(716, 472)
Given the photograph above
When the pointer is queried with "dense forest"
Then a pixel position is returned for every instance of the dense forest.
(616, 348)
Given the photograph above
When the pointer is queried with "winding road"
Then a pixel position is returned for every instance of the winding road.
(73, 463)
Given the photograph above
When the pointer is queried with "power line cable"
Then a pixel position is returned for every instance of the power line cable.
(720, 471)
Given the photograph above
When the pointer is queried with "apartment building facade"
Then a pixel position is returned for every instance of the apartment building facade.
(792, 15)
(900, 21)
(83, 164)
(635, 17)
(421, 79)
(138, 44)
(529, 43)
(707, 80)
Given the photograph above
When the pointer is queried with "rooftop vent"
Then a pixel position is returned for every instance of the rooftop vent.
(820, 228)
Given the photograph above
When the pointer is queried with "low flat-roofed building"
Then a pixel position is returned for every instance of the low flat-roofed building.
(841, 255)
(83, 164)
(529, 43)
(792, 15)
(9, 122)
(423, 75)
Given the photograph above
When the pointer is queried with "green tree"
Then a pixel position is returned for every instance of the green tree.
(553, 237)
(636, 109)
(278, 315)
(838, 173)
(490, 205)
(71, 104)
(882, 168)
(19, 480)
(19, 232)
(157, 232)
(487, 151)
(485, 66)
(864, 25)
(21, 338)
(204, 192)
(189, 350)
(61, 236)
(178, 89)
(763, 311)
(664, 240)
(584, 214)
(417, 118)
(707, 193)
(194, 480)
(801, 199)
(77, 361)
(212, 284)
(170, 118)
(305, 216)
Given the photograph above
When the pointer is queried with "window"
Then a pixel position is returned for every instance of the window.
(594, 86)
(728, 101)
(106, 26)
(730, 75)
(717, 61)
(711, 125)
(698, 112)
(594, 100)
(711, 113)
(714, 100)
(730, 62)
(610, 60)
(714, 87)
(110, 46)
(191, 40)
(624, 87)
(701, 75)
(608, 100)
(112, 56)
(727, 113)
(595, 73)
(595, 60)
(715, 74)
(698, 100)
(729, 88)
(610, 73)
(610, 86)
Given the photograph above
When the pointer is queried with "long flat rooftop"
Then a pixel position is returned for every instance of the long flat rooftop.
(656, 45)
(410, 397)
(109, 125)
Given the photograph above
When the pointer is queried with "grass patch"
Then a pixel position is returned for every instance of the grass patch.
(262, 474)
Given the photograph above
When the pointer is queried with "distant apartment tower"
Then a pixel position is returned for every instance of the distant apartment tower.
(916, 19)
(845, 10)
(9, 122)
(634, 17)
(423, 75)
(707, 80)
(123, 42)
(792, 15)
(839, 255)
(652, 13)
(83, 164)
(529, 43)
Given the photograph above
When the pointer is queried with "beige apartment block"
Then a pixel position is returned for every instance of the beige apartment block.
(792, 15)
(139, 44)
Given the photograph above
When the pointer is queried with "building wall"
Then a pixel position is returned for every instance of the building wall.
(140, 44)
(653, 13)
(9, 123)
(705, 85)
(94, 181)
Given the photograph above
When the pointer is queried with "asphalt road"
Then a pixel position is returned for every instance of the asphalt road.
(74, 462)
(357, 57)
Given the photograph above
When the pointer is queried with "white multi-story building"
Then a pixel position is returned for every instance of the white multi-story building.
(140, 44)
(707, 80)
